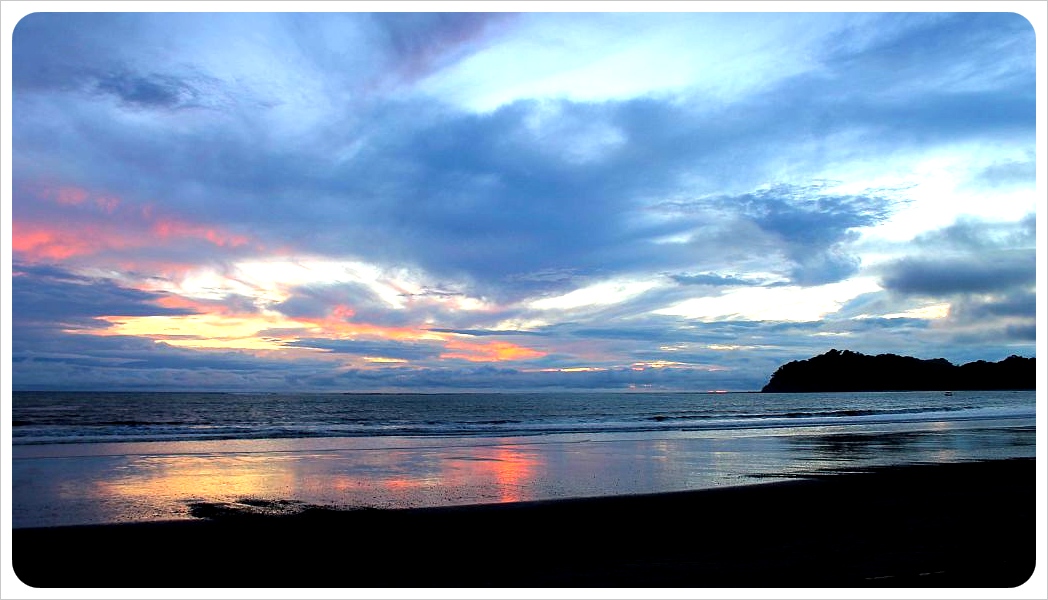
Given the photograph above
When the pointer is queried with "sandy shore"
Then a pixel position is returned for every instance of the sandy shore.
(948, 525)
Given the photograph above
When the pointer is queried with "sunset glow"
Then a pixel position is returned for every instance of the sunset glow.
(404, 201)
(489, 351)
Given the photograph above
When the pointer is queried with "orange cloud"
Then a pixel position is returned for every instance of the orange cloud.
(202, 330)
(337, 324)
(489, 351)
(213, 324)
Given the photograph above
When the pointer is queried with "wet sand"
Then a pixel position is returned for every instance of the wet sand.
(947, 525)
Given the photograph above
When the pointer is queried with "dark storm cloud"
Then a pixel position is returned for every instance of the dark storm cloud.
(983, 272)
(1014, 304)
(995, 334)
(944, 276)
(714, 279)
(50, 294)
(152, 90)
(1005, 317)
(1023, 333)
(971, 256)
(807, 218)
(978, 236)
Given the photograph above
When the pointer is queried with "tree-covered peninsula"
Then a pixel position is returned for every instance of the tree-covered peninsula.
(847, 371)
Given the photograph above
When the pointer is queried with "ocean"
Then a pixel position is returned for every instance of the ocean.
(81, 458)
(92, 417)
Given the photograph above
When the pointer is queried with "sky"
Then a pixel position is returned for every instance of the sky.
(426, 201)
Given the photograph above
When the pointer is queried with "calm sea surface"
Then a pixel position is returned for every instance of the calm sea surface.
(106, 458)
(61, 417)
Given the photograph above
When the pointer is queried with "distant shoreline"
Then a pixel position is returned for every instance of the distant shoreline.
(944, 525)
(847, 371)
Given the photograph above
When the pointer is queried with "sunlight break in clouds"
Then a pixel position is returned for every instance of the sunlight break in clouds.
(773, 304)
(610, 292)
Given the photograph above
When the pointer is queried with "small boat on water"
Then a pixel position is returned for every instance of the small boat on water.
(947, 393)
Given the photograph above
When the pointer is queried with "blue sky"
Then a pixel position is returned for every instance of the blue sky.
(539, 200)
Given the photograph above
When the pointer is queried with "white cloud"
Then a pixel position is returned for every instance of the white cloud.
(785, 303)
(598, 294)
(594, 57)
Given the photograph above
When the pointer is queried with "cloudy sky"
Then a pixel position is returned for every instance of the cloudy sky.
(427, 201)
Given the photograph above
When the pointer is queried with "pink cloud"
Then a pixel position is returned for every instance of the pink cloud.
(69, 196)
(107, 203)
(92, 223)
(38, 243)
(167, 228)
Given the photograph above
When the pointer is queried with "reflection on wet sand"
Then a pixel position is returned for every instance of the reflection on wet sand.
(170, 483)
(157, 481)
(508, 469)
(402, 478)
(497, 474)
(856, 446)
(936, 442)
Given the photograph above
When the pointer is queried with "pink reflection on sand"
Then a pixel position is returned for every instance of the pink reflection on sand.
(171, 481)
(436, 476)
(163, 485)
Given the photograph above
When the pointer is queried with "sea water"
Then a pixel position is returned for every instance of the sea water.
(113, 457)
(78, 417)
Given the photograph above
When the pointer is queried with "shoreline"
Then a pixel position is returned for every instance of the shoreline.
(78, 484)
(970, 524)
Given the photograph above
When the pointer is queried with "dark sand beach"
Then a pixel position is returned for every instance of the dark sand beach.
(945, 525)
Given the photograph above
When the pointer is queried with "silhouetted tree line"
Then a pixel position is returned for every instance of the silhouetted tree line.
(847, 371)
